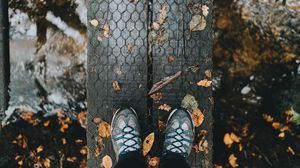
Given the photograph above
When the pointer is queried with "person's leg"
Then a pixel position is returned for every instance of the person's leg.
(178, 140)
(126, 139)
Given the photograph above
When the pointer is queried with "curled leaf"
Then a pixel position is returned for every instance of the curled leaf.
(204, 83)
(148, 143)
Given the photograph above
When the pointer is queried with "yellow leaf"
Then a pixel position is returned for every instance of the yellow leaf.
(198, 117)
(106, 30)
(116, 85)
(39, 149)
(276, 125)
(204, 83)
(147, 144)
(107, 162)
(104, 130)
(233, 160)
(229, 139)
(268, 118)
(47, 163)
(165, 107)
(281, 135)
(46, 123)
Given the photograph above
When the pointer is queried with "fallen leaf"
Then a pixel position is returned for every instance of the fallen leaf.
(97, 120)
(147, 144)
(94, 22)
(157, 96)
(155, 26)
(107, 162)
(164, 82)
(104, 130)
(276, 125)
(83, 150)
(208, 73)
(161, 126)
(162, 14)
(39, 149)
(233, 160)
(171, 58)
(130, 47)
(106, 30)
(47, 163)
(154, 161)
(197, 23)
(204, 83)
(64, 141)
(116, 85)
(268, 118)
(291, 150)
(203, 146)
(198, 117)
(205, 9)
(71, 159)
(223, 23)
(189, 102)
(229, 139)
(82, 119)
(46, 123)
(165, 107)
(281, 135)
(118, 71)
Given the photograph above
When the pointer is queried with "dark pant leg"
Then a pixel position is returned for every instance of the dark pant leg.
(173, 160)
(132, 160)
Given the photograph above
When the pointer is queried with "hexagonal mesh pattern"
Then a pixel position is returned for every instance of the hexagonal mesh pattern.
(124, 53)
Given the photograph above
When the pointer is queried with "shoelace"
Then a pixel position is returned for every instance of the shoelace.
(180, 140)
(125, 139)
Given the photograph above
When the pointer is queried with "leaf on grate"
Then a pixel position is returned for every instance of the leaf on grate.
(205, 9)
(165, 107)
(39, 149)
(94, 22)
(197, 23)
(47, 163)
(148, 143)
(233, 160)
(171, 58)
(116, 86)
(193, 68)
(208, 73)
(164, 82)
(155, 26)
(162, 14)
(97, 120)
(204, 83)
(198, 117)
(189, 102)
(106, 30)
(154, 161)
(107, 162)
(130, 47)
(104, 130)
(276, 125)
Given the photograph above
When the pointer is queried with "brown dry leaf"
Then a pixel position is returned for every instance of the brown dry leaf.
(28, 117)
(64, 141)
(203, 146)
(276, 125)
(147, 144)
(155, 26)
(157, 96)
(208, 73)
(78, 141)
(205, 9)
(162, 15)
(82, 119)
(284, 128)
(165, 107)
(118, 71)
(94, 22)
(107, 162)
(21, 141)
(229, 139)
(240, 147)
(104, 130)
(204, 83)
(46, 123)
(116, 85)
(71, 159)
(97, 120)
(197, 23)
(198, 117)
(39, 149)
(171, 58)
(281, 135)
(19, 159)
(63, 127)
(47, 163)
(268, 118)
(83, 150)
(154, 161)
(233, 160)
(218, 166)
(130, 47)
(223, 23)
(291, 150)
(106, 30)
